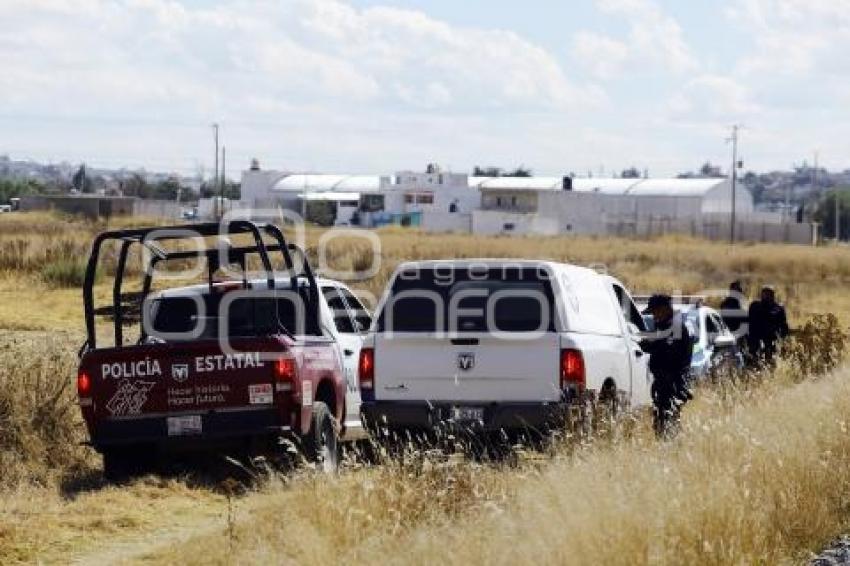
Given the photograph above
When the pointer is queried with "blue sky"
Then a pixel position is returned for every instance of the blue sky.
(379, 85)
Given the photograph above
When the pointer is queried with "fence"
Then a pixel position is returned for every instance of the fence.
(745, 231)
(157, 208)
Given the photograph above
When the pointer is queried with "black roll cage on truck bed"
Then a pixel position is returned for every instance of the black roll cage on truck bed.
(148, 237)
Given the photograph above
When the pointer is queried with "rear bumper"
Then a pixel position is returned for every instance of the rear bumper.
(426, 416)
(218, 428)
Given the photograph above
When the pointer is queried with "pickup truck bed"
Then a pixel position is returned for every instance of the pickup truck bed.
(239, 361)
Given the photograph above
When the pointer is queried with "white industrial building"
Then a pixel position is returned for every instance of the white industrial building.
(433, 200)
(555, 205)
(346, 194)
(442, 201)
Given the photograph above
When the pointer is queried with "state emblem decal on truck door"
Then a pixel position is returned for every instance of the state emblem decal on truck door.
(180, 372)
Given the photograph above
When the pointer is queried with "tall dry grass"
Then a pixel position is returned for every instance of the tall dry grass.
(40, 424)
(760, 473)
(807, 278)
(49, 251)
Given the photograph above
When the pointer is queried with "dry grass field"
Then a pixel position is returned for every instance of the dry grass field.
(760, 472)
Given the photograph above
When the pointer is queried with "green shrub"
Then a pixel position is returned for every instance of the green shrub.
(66, 272)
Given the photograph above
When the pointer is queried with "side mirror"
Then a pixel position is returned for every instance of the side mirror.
(724, 341)
(649, 322)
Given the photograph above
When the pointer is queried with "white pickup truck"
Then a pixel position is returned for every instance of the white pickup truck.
(499, 344)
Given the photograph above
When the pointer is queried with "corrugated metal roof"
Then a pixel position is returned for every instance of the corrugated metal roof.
(611, 186)
(324, 183)
(608, 186)
(676, 187)
(521, 183)
(331, 195)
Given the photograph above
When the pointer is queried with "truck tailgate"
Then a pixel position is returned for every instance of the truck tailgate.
(179, 382)
(482, 368)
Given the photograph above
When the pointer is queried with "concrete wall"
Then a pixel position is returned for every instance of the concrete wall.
(493, 222)
(446, 222)
(569, 212)
(590, 213)
(745, 231)
(85, 205)
(157, 208)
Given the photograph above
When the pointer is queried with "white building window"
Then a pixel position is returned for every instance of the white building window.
(419, 198)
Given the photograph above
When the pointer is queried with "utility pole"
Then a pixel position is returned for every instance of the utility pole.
(835, 196)
(837, 215)
(215, 174)
(837, 209)
(304, 202)
(223, 178)
(734, 140)
(815, 176)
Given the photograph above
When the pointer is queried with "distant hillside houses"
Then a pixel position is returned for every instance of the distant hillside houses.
(60, 177)
(438, 200)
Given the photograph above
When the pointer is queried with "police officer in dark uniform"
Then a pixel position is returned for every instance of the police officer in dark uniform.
(768, 325)
(735, 315)
(669, 348)
(732, 309)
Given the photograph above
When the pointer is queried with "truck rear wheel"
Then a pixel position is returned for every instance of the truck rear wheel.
(321, 443)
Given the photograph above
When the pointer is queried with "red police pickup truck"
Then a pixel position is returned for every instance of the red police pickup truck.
(238, 363)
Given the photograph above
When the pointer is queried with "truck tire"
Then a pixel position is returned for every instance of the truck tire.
(321, 443)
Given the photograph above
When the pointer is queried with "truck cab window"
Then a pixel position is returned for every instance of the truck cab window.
(630, 311)
(339, 310)
(361, 315)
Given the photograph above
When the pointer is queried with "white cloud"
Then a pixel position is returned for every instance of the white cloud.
(603, 56)
(713, 98)
(301, 51)
(285, 78)
(654, 38)
(794, 37)
(321, 84)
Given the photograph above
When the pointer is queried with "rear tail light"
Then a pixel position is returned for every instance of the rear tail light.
(284, 374)
(366, 369)
(572, 369)
(83, 384)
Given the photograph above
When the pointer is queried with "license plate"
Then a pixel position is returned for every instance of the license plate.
(467, 413)
(260, 394)
(184, 425)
